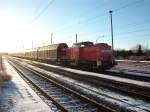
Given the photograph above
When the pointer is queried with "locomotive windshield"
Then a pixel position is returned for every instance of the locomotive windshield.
(83, 44)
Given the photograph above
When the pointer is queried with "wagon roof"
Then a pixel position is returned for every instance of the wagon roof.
(51, 47)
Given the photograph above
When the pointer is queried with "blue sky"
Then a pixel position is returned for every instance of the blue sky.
(32, 21)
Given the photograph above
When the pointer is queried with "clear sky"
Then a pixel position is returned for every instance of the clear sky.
(24, 23)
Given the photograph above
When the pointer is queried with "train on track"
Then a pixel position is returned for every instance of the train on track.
(96, 56)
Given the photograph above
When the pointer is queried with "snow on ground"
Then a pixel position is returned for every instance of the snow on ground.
(98, 75)
(17, 96)
(101, 93)
(139, 67)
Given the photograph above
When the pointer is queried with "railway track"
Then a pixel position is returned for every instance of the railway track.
(138, 70)
(123, 73)
(130, 89)
(134, 74)
(64, 98)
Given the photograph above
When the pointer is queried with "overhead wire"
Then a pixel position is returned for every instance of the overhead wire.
(87, 20)
(134, 31)
(131, 25)
(97, 16)
(79, 22)
(43, 10)
(128, 5)
(38, 7)
(83, 21)
(96, 7)
(126, 32)
(134, 24)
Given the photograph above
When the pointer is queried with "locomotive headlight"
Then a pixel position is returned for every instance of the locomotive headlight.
(99, 63)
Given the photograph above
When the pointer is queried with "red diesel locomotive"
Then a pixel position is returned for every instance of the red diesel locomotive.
(97, 56)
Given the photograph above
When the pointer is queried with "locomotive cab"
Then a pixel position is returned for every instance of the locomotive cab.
(87, 54)
(105, 55)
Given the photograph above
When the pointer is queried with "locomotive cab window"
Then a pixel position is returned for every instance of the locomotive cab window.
(82, 45)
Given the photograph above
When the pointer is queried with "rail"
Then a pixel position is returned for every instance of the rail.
(91, 103)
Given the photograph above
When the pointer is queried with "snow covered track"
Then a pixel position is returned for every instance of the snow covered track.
(90, 88)
(64, 98)
(130, 74)
(138, 89)
(133, 61)
(138, 70)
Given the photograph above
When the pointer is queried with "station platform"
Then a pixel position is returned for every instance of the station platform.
(17, 96)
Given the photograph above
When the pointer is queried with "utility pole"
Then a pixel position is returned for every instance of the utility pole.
(111, 30)
(32, 44)
(43, 44)
(76, 38)
(22, 45)
(51, 38)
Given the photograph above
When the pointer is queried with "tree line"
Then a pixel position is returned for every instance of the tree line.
(137, 52)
